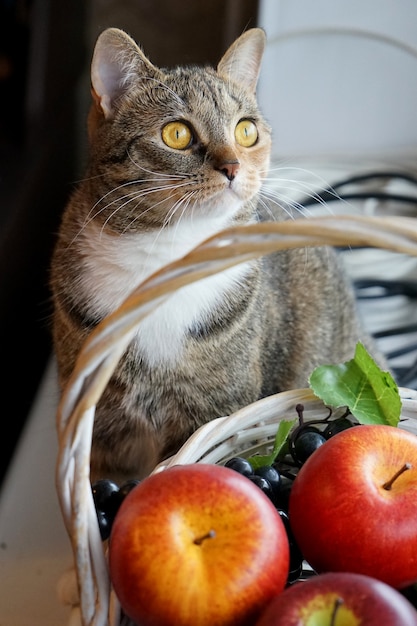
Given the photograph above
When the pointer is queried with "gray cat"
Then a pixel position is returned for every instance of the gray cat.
(175, 156)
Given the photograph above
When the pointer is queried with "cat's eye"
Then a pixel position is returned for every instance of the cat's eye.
(177, 135)
(246, 133)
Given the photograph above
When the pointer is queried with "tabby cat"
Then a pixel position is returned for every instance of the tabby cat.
(177, 155)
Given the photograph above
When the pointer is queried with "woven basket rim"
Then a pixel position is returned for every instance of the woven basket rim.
(222, 437)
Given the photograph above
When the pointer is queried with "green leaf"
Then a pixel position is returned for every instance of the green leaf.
(371, 394)
(284, 428)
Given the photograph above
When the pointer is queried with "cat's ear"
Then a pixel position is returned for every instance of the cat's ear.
(241, 63)
(117, 61)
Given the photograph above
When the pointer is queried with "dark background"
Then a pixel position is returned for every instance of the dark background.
(45, 52)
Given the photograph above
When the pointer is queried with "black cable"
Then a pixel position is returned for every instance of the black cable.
(388, 288)
(391, 332)
(328, 194)
(360, 178)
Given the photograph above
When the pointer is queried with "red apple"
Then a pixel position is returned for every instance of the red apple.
(197, 544)
(353, 504)
(339, 599)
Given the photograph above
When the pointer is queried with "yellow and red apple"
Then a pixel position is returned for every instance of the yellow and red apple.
(197, 544)
(339, 599)
(353, 504)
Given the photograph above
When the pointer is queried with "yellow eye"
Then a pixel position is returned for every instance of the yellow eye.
(246, 133)
(177, 135)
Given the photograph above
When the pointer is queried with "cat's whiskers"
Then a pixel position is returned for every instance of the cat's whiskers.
(163, 175)
(77, 181)
(306, 172)
(185, 200)
(91, 217)
(286, 203)
(138, 181)
(297, 187)
(150, 208)
(312, 191)
(266, 206)
(140, 215)
(184, 204)
(254, 205)
(138, 196)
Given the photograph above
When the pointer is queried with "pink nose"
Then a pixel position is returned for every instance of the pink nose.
(229, 169)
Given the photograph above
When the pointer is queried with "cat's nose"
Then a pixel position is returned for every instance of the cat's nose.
(229, 169)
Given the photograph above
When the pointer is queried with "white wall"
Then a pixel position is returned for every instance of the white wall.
(340, 76)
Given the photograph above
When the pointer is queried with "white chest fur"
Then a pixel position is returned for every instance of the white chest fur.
(115, 265)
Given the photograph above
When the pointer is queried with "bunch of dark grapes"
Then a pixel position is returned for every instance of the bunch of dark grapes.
(108, 496)
(276, 480)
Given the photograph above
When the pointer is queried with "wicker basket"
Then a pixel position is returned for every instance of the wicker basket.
(251, 427)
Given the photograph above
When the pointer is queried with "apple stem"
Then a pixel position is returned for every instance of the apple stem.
(390, 482)
(337, 604)
(209, 535)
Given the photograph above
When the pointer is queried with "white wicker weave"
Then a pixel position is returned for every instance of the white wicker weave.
(219, 439)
